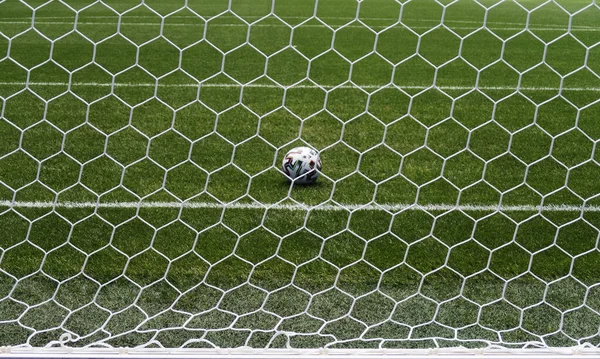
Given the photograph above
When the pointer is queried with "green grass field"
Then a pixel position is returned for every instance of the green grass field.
(474, 153)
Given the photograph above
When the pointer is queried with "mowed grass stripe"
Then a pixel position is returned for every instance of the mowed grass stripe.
(175, 277)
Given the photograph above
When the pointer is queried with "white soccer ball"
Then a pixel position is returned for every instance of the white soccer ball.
(302, 165)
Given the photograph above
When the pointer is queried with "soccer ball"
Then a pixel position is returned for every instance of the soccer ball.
(302, 165)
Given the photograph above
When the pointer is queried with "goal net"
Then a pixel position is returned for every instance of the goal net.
(142, 204)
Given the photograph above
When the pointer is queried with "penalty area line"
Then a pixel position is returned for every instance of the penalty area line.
(391, 207)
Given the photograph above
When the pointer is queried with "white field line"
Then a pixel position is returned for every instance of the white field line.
(271, 86)
(258, 17)
(230, 14)
(301, 207)
(362, 18)
(478, 25)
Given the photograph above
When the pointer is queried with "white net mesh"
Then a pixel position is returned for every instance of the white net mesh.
(141, 202)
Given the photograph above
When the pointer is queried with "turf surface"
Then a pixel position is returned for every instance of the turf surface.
(114, 102)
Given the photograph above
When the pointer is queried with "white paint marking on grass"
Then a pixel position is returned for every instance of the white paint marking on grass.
(257, 17)
(420, 27)
(271, 86)
(302, 207)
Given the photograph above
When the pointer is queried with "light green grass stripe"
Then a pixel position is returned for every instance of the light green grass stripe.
(393, 207)
(251, 85)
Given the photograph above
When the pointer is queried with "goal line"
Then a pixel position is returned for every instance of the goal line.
(391, 207)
